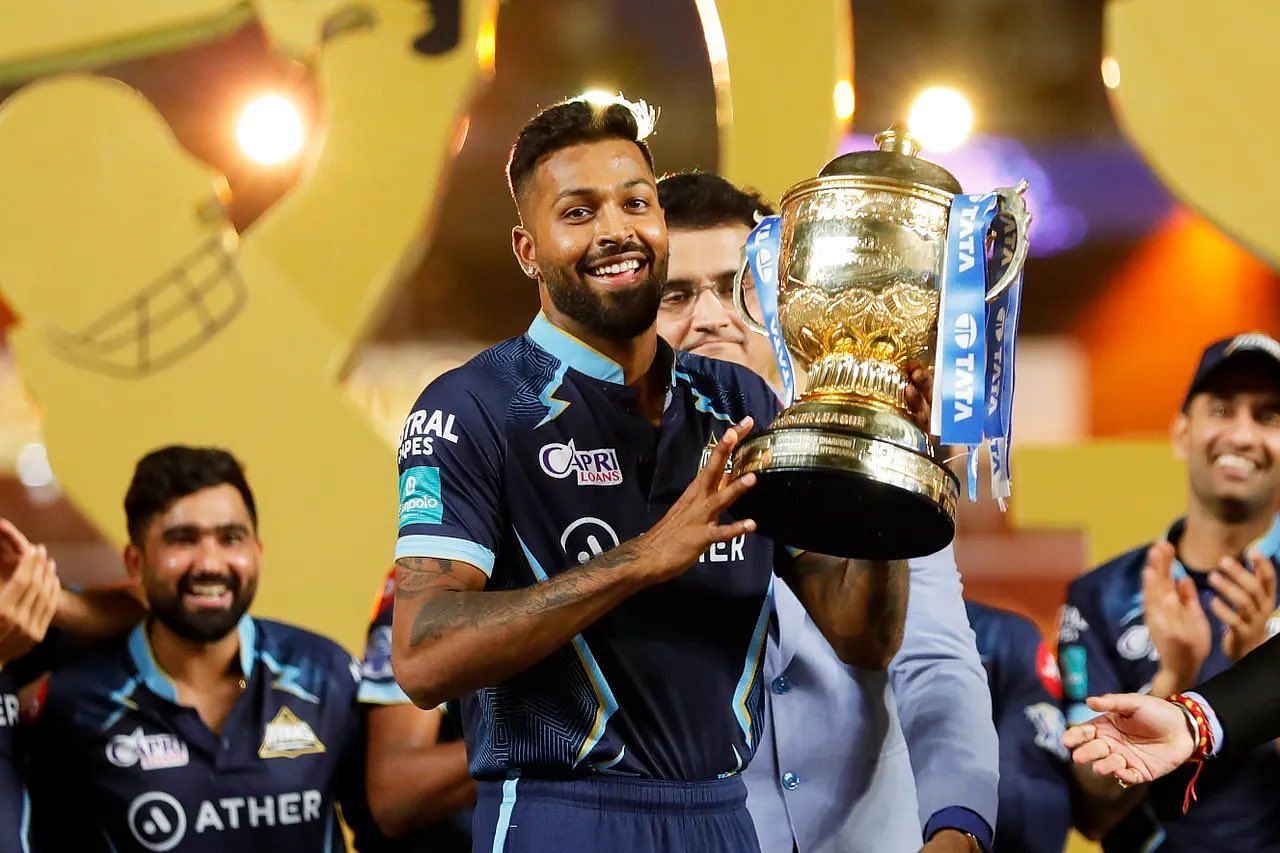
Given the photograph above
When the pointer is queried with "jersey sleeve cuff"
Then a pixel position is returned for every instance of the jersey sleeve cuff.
(381, 693)
(1215, 725)
(1079, 712)
(446, 548)
(962, 819)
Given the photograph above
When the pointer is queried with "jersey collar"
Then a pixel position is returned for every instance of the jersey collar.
(159, 682)
(1268, 543)
(584, 358)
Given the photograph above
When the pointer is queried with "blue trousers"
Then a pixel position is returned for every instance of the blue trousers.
(613, 815)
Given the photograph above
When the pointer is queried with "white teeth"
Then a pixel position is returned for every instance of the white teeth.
(208, 590)
(1236, 463)
(615, 269)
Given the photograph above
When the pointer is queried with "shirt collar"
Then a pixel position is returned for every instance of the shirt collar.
(1268, 543)
(159, 682)
(584, 358)
(575, 353)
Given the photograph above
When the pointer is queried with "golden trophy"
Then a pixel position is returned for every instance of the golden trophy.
(845, 470)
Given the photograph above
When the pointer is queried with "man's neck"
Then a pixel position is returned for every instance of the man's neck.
(194, 665)
(1207, 538)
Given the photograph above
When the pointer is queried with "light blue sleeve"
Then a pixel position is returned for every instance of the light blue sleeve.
(943, 700)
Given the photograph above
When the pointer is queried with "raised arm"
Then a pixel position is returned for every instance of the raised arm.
(859, 605)
(451, 636)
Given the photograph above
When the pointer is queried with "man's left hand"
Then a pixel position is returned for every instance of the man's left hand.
(920, 394)
(948, 841)
(1244, 602)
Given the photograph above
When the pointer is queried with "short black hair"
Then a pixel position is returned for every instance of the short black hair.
(566, 124)
(165, 475)
(698, 200)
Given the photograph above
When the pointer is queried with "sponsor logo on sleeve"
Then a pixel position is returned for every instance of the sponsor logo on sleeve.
(1075, 674)
(592, 467)
(150, 752)
(288, 736)
(1047, 671)
(1050, 726)
(420, 501)
(422, 429)
(1071, 625)
(1135, 643)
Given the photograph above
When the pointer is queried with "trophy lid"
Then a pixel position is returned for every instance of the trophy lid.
(896, 160)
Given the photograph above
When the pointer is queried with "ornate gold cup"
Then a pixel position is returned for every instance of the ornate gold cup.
(845, 470)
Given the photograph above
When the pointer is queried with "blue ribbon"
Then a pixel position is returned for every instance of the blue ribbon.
(762, 250)
(1002, 340)
(974, 385)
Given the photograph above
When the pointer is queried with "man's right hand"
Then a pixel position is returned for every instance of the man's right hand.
(28, 596)
(1178, 624)
(1137, 738)
(692, 525)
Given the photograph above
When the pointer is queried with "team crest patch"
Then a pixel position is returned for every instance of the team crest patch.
(594, 467)
(150, 752)
(288, 737)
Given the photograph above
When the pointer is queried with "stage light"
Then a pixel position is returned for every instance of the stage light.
(1110, 72)
(940, 118)
(843, 98)
(33, 467)
(271, 130)
(599, 97)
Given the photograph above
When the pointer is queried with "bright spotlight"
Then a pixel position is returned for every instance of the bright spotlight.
(843, 98)
(940, 118)
(270, 130)
(599, 97)
(1110, 72)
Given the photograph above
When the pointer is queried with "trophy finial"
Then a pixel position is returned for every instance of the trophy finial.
(898, 140)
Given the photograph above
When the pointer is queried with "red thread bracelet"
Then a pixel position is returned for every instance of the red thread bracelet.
(1204, 742)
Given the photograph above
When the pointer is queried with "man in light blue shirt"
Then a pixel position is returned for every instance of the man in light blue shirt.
(834, 767)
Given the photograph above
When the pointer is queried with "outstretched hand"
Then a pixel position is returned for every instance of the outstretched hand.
(1137, 738)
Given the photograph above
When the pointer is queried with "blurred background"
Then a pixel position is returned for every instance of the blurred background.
(1125, 285)
(317, 146)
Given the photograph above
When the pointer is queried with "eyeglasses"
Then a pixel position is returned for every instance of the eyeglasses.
(678, 298)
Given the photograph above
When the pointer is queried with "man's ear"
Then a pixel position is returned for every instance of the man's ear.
(526, 253)
(133, 563)
(1179, 435)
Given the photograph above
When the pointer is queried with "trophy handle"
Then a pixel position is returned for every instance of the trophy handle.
(740, 301)
(1013, 205)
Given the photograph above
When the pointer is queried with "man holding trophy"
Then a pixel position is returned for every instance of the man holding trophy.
(574, 557)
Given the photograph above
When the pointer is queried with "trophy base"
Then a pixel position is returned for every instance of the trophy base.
(847, 494)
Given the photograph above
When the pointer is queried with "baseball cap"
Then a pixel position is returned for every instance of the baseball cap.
(1220, 352)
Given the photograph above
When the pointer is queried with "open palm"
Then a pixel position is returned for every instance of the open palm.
(1136, 739)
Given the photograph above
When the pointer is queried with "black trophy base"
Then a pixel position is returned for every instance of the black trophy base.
(847, 495)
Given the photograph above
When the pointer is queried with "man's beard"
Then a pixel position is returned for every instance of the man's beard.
(206, 625)
(617, 314)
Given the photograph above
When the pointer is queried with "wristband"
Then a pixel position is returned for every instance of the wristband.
(1202, 735)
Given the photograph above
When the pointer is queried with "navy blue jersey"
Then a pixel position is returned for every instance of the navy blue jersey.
(14, 804)
(533, 458)
(378, 687)
(1104, 647)
(146, 774)
(1035, 797)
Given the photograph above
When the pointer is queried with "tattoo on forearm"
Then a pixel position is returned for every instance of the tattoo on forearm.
(415, 575)
(451, 609)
